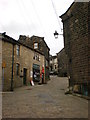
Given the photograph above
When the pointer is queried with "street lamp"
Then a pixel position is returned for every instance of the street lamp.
(56, 34)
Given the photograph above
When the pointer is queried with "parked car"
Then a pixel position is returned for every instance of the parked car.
(51, 73)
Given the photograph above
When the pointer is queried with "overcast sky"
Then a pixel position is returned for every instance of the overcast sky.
(34, 17)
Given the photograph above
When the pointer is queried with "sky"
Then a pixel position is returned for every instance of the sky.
(34, 17)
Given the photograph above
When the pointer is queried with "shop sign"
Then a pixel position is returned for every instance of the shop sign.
(35, 66)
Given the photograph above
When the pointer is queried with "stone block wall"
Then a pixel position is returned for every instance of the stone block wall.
(7, 60)
(62, 63)
(0, 64)
(25, 60)
(42, 48)
(75, 23)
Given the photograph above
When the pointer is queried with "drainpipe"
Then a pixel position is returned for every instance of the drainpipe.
(12, 68)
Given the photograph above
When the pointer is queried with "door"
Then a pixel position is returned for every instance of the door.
(24, 76)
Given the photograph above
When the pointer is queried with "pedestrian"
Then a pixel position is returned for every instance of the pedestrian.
(42, 75)
(31, 79)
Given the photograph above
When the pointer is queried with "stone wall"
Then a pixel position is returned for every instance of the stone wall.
(42, 48)
(0, 77)
(0, 63)
(53, 64)
(7, 69)
(25, 60)
(75, 24)
(62, 63)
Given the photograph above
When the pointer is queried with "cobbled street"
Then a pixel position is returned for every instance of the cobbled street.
(44, 101)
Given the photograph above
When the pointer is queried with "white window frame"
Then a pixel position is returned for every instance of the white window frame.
(35, 45)
(18, 50)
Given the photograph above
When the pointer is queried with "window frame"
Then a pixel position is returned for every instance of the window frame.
(18, 50)
(36, 45)
(17, 69)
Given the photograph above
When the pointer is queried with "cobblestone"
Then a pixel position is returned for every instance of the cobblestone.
(44, 101)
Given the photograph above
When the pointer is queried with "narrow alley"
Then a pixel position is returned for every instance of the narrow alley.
(44, 101)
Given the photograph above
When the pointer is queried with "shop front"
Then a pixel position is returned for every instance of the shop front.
(36, 73)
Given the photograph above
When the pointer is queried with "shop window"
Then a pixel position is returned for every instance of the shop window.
(36, 73)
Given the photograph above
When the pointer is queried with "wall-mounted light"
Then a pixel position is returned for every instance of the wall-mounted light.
(56, 34)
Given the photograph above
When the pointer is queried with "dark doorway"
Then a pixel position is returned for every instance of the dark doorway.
(24, 76)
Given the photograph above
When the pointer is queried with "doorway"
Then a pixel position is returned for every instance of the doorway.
(24, 76)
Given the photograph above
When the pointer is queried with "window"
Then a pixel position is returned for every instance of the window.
(35, 45)
(39, 58)
(55, 60)
(17, 69)
(36, 57)
(55, 66)
(18, 50)
(51, 61)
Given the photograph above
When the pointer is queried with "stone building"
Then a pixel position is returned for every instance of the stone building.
(0, 64)
(53, 64)
(76, 40)
(62, 63)
(39, 44)
(19, 61)
(8, 71)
